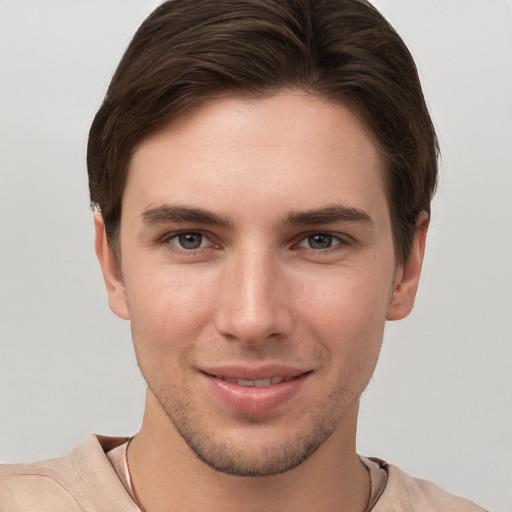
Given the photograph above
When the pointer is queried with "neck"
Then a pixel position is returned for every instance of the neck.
(165, 471)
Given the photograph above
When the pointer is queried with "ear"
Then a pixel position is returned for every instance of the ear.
(111, 272)
(408, 275)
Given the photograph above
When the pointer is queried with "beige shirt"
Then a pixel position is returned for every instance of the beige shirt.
(86, 481)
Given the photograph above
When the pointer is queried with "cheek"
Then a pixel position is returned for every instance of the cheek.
(348, 318)
(168, 308)
(347, 301)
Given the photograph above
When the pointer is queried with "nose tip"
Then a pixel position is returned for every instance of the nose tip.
(253, 306)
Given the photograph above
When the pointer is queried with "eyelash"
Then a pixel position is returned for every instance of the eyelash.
(337, 242)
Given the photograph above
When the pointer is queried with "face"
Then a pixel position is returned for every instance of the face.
(257, 269)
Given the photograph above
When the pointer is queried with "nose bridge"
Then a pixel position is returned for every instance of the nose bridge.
(252, 306)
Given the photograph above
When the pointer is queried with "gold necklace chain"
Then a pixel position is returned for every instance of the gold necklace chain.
(130, 479)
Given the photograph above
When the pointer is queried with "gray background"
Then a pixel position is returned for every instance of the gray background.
(439, 404)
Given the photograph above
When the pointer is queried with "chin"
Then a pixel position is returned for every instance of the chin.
(256, 447)
(261, 459)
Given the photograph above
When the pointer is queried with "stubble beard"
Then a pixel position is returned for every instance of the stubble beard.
(230, 458)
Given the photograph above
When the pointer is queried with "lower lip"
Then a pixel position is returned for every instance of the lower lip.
(252, 399)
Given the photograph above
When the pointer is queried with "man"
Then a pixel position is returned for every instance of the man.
(262, 174)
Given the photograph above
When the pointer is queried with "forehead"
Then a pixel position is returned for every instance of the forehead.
(283, 152)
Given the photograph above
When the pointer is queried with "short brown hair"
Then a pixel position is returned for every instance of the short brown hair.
(191, 50)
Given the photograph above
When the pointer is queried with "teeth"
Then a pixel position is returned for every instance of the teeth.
(260, 383)
(243, 382)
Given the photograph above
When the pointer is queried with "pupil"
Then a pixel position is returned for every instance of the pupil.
(190, 240)
(320, 241)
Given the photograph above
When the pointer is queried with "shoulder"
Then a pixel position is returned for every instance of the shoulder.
(405, 493)
(78, 482)
(24, 487)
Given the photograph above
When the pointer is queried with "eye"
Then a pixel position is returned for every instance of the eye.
(319, 241)
(189, 241)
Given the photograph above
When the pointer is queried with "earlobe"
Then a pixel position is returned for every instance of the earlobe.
(408, 276)
(110, 269)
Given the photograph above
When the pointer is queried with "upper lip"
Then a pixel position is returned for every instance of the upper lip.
(262, 372)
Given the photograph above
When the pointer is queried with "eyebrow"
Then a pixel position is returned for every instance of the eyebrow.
(174, 213)
(182, 214)
(329, 215)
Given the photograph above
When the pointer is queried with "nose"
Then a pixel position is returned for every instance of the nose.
(253, 305)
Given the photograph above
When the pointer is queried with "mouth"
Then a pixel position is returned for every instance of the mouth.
(258, 383)
(254, 391)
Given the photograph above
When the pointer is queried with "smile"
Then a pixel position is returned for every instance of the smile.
(260, 383)
(258, 395)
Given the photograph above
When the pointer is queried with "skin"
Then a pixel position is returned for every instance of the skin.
(256, 280)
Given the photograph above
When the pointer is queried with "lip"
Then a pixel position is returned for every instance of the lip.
(266, 371)
(249, 399)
